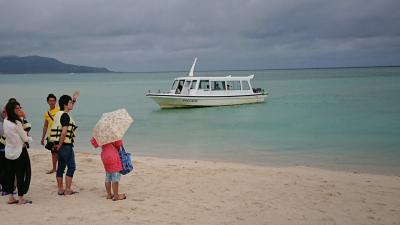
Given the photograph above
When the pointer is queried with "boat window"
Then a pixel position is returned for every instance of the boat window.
(204, 85)
(180, 86)
(218, 86)
(245, 85)
(174, 85)
(233, 85)
(193, 84)
(187, 83)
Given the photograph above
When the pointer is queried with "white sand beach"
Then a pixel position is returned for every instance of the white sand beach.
(173, 191)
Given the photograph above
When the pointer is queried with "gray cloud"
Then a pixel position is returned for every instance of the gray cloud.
(151, 35)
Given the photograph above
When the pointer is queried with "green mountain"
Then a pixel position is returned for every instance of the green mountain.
(38, 64)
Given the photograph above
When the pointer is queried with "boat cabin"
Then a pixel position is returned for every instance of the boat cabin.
(221, 86)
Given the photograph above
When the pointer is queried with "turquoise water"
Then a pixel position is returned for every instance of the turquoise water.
(333, 118)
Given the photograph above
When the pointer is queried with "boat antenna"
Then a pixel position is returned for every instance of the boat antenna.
(191, 70)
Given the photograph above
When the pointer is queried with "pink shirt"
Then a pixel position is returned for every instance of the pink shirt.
(110, 157)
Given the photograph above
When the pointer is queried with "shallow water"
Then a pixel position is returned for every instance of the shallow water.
(335, 118)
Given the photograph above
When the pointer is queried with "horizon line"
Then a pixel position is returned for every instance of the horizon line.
(294, 68)
(217, 70)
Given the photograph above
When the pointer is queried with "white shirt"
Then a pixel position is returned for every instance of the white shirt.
(15, 139)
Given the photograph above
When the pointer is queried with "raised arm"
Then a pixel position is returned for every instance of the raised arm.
(75, 96)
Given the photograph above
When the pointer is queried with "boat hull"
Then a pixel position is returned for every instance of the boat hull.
(174, 101)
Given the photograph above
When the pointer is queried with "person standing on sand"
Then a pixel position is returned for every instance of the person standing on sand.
(112, 166)
(25, 125)
(48, 123)
(62, 134)
(2, 151)
(17, 161)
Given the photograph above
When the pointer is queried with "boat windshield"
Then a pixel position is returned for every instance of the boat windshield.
(174, 85)
(180, 86)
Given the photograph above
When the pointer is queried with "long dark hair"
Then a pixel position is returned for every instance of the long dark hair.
(10, 109)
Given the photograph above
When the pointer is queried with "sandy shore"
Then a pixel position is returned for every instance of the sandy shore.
(169, 191)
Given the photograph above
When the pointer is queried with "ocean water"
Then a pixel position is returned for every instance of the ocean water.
(342, 119)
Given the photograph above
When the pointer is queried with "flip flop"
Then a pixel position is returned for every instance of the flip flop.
(72, 193)
(26, 202)
(60, 193)
(13, 202)
(50, 171)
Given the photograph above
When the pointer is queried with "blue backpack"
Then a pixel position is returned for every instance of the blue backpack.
(126, 161)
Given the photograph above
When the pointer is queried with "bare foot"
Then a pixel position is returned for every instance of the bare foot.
(110, 196)
(119, 197)
(50, 171)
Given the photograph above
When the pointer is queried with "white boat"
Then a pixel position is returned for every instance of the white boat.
(191, 91)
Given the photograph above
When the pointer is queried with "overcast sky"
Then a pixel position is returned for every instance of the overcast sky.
(135, 35)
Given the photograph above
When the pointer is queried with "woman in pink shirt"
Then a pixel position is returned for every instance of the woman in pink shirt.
(113, 166)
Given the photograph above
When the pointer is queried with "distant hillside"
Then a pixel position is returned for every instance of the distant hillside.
(38, 64)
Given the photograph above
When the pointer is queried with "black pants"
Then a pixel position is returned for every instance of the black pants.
(21, 169)
(2, 168)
